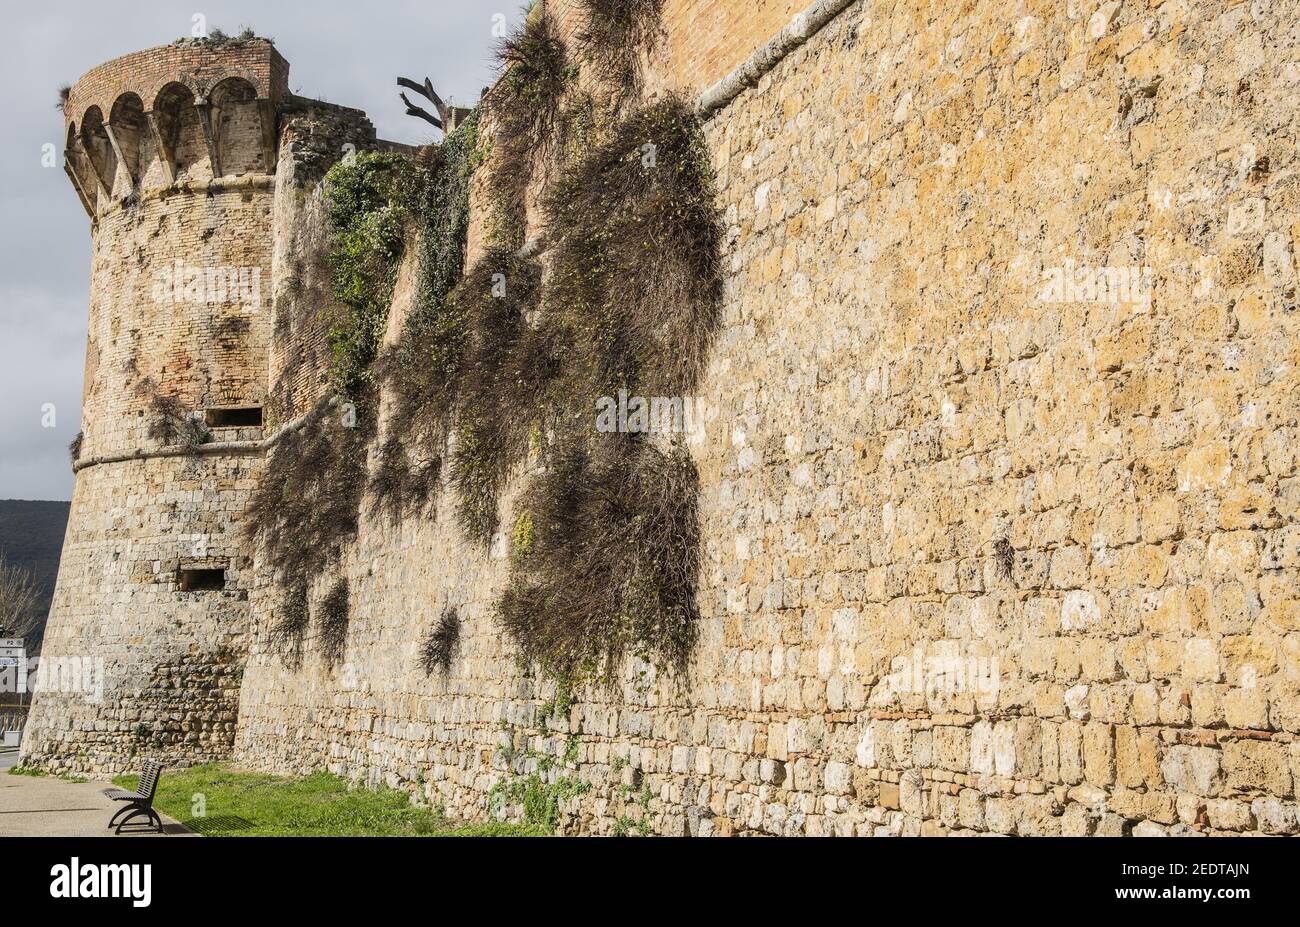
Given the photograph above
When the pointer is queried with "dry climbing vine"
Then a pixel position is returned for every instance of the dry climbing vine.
(504, 361)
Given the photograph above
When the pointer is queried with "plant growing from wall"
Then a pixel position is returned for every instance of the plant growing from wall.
(606, 563)
(497, 364)
(219, 38)
(332, 616)
(171, 424)
(636, 279)
(632, 302)
(74, 447)
(614, 36)
(538, 793)
(435, 194)
(505, 363)
(419, 372)
(614, 561)
(525, 108)
(306, 505)
(398, 486)
(367, 224)
(439, 646)
(290, 627)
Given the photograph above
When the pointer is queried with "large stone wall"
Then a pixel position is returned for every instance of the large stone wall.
(980, 556)
(999, 480)
(313, 137)
(153, 333)
(699, 41)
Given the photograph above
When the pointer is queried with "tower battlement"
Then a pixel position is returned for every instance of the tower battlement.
(188, 112)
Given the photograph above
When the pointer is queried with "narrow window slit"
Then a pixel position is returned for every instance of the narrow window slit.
(248, 417)
(205, 579)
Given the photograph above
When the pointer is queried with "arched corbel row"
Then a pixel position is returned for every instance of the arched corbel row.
(204, 108)
(83, 157)
(165, 154)
(117, 150)
(69, 167)
(125, 128)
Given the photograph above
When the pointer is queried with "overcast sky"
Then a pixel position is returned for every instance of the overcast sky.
(348, 53)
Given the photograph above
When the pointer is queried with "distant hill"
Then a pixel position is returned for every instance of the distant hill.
(31, 536)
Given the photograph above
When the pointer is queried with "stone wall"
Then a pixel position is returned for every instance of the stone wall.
(313, 137)
(179, 306)
(193, 63)
(131, 665)
(999, 481)
(699, 41)
(982, 554)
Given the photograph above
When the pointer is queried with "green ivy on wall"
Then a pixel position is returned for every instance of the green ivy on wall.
(367, 223)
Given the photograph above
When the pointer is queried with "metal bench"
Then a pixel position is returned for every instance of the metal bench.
(140, 802)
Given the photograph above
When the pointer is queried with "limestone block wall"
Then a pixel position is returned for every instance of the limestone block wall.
(999, 484)
(169, 658)
(179, 306)
(700, 41)
(132, 666)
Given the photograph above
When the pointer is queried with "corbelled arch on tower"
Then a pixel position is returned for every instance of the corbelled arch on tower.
(99, 150)
(177, 131)
(237, 129)
(128, 130)
(74, 164)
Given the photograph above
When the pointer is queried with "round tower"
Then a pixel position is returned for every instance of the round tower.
(172, 152)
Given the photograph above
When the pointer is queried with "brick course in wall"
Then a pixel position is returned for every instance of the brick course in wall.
(192, 63)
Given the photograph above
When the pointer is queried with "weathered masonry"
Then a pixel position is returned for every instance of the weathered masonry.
(175, 155)
(999, 488)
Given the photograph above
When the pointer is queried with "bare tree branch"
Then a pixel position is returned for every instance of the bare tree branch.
(446, 114)
(413, 110)
(19, 601)
(426, 90)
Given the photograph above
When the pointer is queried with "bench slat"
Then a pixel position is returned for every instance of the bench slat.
(149, 779)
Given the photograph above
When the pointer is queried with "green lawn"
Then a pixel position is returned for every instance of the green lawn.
(320, 805)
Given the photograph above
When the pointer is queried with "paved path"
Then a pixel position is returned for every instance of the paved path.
(43, 806)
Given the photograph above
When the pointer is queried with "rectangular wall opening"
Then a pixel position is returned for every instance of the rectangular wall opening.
(246, 417)
(201, 579)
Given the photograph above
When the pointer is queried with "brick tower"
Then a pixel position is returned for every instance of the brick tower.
(173, 153)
